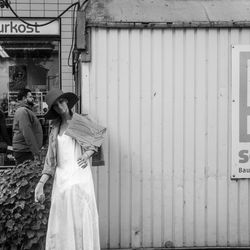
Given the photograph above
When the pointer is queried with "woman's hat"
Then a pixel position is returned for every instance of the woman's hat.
(55, 94)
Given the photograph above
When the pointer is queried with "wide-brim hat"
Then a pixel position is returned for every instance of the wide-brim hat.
(55, 94)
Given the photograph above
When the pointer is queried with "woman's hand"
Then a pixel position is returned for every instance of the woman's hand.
(39, 194)
(83, 160)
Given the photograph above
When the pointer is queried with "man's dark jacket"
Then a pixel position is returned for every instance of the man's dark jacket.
(27, 130)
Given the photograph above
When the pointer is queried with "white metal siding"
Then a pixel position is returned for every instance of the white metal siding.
(164, 96)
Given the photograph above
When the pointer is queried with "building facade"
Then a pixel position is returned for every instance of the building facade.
(34, 56)
(165, 78)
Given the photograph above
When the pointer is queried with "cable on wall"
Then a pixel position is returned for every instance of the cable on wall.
(73, 35)
(7, 4)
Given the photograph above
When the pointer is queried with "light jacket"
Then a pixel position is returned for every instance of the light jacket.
(27, 130)
(81, 128)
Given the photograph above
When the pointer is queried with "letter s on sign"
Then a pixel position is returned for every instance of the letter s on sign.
(243, 154)
(30, 29)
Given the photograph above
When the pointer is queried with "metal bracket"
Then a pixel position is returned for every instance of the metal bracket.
(83, 37)
(86, 54)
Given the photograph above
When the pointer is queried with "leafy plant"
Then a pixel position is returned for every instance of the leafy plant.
(23, 222)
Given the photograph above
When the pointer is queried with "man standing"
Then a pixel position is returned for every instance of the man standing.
(27, 130)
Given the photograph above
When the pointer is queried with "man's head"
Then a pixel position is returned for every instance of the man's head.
(26, 96)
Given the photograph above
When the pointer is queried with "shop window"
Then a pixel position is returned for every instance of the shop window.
(31, 63)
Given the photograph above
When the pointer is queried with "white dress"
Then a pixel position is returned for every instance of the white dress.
(73, 219)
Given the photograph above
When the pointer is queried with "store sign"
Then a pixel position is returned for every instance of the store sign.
(240, 111)
(17, 27)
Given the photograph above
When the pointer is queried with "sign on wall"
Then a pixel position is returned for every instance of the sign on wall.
(17, 27)
(240, 111)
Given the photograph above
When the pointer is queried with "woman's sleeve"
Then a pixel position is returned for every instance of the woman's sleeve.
(49, 164)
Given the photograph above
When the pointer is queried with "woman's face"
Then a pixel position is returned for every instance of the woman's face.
(61, 106)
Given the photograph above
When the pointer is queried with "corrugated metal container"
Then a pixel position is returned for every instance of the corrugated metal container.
(165, 97)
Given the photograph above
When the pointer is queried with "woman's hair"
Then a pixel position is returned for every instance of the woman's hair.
(70, 110)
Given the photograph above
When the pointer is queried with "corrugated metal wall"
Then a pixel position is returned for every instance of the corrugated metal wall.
(165, 97)
(50, 8)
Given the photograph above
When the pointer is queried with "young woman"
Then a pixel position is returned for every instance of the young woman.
(73, 219)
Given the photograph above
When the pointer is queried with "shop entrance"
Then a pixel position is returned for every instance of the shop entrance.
(32, 63)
